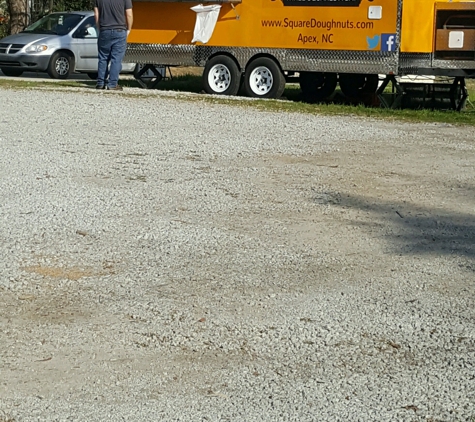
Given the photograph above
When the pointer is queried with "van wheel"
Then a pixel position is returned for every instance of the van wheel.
(353, 85)
(221, 76)
(264, 79)
(92, 75)
(60, 65)
(12, 72)
(317, 86)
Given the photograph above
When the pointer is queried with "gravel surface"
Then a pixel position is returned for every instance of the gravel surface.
(167, 259)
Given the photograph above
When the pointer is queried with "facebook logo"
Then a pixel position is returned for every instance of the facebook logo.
(388, 42)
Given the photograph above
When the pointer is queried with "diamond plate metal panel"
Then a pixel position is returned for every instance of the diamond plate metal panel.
(342, 61)
(165, 54)
(382, 62)
(289, 59)
(409, 62)
(453, 64)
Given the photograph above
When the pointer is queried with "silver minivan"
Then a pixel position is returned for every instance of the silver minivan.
(59, 43)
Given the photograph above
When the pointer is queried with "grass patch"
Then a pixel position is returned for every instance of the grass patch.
(32, 84)
(466, 117)
(292, 93)
(193, 83)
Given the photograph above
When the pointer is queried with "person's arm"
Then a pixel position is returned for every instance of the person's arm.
(129, 16)
(96, 16)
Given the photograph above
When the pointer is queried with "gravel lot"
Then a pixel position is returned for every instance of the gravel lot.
(164, 259)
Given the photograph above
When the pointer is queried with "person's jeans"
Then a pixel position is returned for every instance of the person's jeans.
(111, 46)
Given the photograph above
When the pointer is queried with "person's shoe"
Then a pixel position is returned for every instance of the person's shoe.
(100, 86)
(115, 88)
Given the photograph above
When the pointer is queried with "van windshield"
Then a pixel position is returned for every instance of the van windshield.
(56, 23)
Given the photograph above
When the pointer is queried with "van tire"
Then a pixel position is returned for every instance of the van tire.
(12, 72)
(60, 65)
(264, 79)
(221, 76)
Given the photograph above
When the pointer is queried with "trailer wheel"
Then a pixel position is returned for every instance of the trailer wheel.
(353, 85)
(264, 79)
(221, 76)
(317, 86)
(458, 94)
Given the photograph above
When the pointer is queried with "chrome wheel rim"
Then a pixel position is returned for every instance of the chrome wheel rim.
(62, 66)
(261, 80)
(219, 78)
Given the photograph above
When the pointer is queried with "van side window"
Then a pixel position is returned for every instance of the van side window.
(87, 29)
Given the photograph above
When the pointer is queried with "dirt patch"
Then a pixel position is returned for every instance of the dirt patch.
(186, 70)
(73, 273)
(267, 264)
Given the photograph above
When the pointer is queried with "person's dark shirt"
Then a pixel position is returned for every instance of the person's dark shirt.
(112, 13)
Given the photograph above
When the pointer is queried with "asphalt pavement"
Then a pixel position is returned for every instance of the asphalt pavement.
(44, 77)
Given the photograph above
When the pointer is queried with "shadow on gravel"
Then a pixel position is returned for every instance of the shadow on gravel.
(411, 230)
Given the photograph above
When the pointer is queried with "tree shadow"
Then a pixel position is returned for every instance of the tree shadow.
(410, 229)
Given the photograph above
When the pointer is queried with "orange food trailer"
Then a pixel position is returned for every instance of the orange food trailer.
(257, 45)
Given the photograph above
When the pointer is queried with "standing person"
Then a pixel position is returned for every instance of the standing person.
(114, 19)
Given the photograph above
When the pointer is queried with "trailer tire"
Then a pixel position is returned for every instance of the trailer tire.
(221, 76)
(317, 86)
(354, 85)
(458, 94)
(264, 79)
